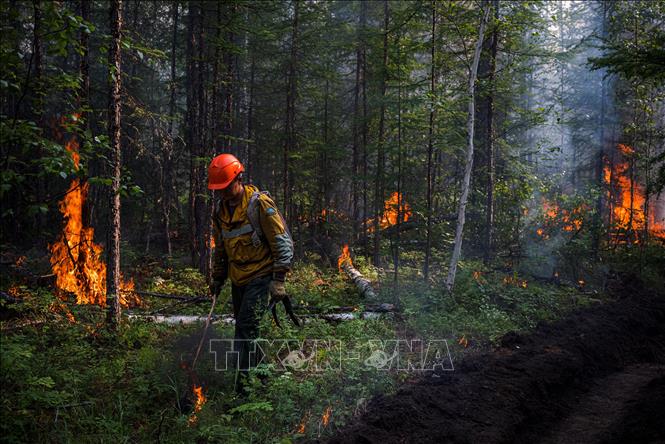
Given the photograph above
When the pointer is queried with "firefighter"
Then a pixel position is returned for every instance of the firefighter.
(253, 248)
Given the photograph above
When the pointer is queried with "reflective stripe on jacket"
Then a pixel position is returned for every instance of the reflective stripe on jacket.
(235, 255)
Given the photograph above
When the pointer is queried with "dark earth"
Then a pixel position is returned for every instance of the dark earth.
(597, 376)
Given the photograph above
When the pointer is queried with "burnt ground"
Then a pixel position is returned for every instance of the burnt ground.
(597, 376)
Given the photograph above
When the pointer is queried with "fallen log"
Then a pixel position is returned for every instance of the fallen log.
(182, 319)
(383, 308)
(362, 284)
(228, 319)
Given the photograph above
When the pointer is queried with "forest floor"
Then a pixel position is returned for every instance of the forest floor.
(66, 378)
(598, 375)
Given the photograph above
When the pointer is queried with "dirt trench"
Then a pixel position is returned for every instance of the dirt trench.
(597, 376)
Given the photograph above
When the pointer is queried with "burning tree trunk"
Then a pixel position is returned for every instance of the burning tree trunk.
(466, 183)
(113, 275)
(345, 264)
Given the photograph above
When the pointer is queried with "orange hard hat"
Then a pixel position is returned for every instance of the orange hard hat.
(222, 170)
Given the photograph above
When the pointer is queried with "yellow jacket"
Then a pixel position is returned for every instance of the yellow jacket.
(236, 256)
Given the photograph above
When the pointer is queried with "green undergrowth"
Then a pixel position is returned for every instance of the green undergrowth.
(486, 305)
(66, 379)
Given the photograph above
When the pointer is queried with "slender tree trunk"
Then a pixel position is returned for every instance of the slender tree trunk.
(631, 159)
(529, 136)
(600, 156)
(84, 67)
(466, 183)
(197, 134)
(356, 133)
(113, 266)
(244, 92)
(647, 191)
(191, 128)
(83, 99)
(289, 127)
(399, 172)
(489, 140)
(218, 135)
(168, 148)
(37, 56)
(630, 234)
(323, 191)
(380, 154)
(229, 80)
(38, 102)
(250, 120)
(214, 114)
(363, 23)
(562, 108)
(203, 207)
(430, 147)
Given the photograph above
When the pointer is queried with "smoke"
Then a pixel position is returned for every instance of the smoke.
(579, 123)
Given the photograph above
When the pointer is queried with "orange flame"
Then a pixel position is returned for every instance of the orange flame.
(325, 419)
(392, 206)
(303, 424)
(345, 257)
(513, 280)
(627, 201)
(477, 275)
(326, 213)
(58, 307)
(568, 220)
(75, 257)
(463, 341)
(198, 403)
(329, 214)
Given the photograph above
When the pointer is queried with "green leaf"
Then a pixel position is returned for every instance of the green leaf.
(252, 407)
(44, 381)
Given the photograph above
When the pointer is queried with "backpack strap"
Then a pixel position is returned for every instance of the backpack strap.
(253, 216)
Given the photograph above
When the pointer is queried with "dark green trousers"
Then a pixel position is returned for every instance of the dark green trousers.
(249, 304)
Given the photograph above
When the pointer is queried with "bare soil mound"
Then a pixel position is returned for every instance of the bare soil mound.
(596, 376)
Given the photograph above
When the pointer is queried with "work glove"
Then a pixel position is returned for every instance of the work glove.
(277, 288)
(216, 286)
